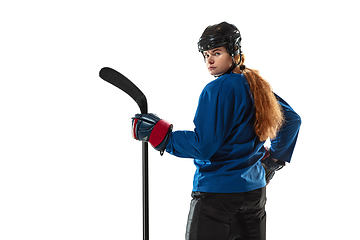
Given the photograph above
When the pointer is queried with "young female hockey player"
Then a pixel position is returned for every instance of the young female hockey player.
(237, 112)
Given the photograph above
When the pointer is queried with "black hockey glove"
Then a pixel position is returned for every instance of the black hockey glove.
(270, 166)
(150, 128)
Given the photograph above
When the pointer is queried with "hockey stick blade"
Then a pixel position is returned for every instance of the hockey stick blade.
(120, 81)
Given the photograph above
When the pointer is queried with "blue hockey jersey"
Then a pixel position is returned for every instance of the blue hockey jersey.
(224, 146)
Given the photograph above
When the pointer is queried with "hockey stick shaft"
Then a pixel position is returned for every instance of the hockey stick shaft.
(145, 185)
(120, 81)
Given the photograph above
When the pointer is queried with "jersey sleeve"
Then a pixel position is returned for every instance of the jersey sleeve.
(213, 121)
(283, 145)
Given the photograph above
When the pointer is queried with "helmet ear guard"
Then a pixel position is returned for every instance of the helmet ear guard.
(234, 46)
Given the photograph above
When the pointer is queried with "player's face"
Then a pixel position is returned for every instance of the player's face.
(218, 61)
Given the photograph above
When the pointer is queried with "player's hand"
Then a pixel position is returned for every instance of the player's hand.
(150, 128)
(270, 166)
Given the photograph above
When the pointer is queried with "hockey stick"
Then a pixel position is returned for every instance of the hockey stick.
(120, 81)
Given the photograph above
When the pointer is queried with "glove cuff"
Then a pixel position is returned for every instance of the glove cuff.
(160, 135)
(272, 165)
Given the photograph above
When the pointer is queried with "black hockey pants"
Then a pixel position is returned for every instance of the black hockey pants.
(227, 216)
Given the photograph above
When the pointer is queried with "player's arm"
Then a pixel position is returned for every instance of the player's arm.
(282, 146)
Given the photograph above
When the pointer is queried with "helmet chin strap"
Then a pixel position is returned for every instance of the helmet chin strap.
(233, 66)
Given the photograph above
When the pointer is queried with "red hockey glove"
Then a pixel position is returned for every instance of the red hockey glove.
(150, 128)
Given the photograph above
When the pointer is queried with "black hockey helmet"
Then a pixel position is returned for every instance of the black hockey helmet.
(221, 35)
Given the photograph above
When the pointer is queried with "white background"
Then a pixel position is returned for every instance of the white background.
(68, 166)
